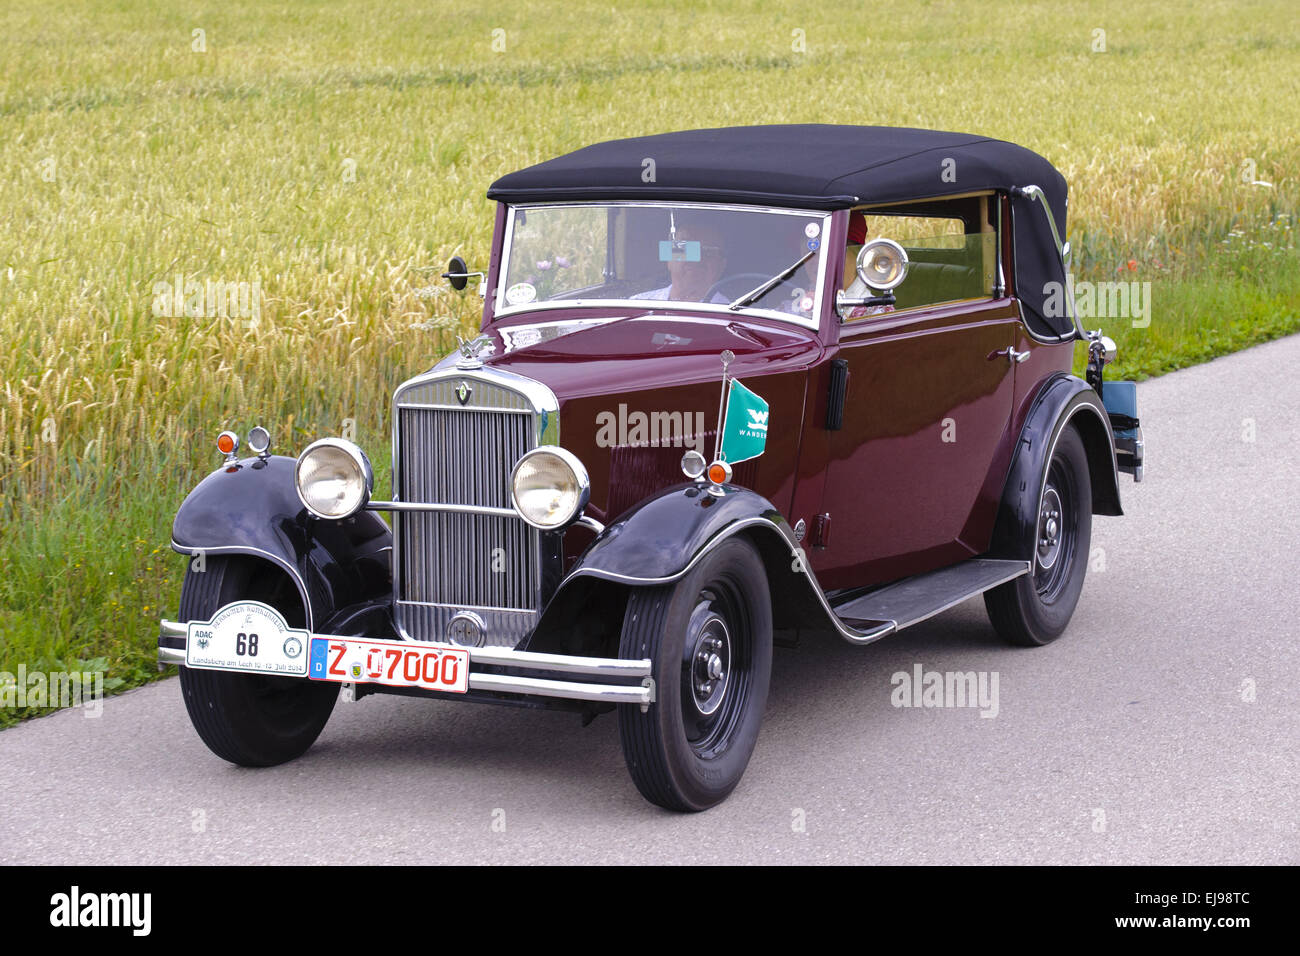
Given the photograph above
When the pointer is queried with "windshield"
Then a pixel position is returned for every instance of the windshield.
(715, 257)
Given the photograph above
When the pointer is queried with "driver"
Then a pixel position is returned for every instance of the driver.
(691, 281)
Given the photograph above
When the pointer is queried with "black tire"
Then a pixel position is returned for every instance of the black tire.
(248, 719)
(689, 749)
(1035, 608)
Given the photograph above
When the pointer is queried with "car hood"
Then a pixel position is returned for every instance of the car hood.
(584, 357)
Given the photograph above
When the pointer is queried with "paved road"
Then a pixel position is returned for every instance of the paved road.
(1127, 741)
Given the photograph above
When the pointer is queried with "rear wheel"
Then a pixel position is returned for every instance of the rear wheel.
(1035, 608)
(709, 638)
(248, 719)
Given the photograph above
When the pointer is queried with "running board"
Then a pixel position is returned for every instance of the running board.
(917, 598)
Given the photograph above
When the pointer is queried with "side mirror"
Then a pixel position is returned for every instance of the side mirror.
(457, 273)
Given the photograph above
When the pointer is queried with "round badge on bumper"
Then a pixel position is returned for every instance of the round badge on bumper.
(466, 629)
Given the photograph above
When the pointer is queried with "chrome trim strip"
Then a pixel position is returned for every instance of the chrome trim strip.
(1035, 192)
(433, 506)
(273, 558)
(461, 408)
(851, 634)
(563, 663)
(812, 322)
(663, 305)
(1000, 280)
(457, 606)
(1062, 423)
(1062, 248)
(642, 694)
(1041, 339)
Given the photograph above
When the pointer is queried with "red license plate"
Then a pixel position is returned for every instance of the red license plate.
(396, 663)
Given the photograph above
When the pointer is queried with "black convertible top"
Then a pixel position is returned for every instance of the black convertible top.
(818, 167)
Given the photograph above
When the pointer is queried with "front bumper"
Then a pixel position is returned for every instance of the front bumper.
(501, 670)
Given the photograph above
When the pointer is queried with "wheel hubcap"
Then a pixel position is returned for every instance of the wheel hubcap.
(1049, 529)
(716, 662)
(1054, 544)
(711, 659)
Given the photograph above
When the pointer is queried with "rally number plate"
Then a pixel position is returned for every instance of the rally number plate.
(396, 663)
(247, 636)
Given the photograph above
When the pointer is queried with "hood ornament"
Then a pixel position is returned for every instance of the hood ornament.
(472, 351)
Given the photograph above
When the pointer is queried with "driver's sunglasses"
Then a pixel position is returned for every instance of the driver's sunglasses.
(711, 252)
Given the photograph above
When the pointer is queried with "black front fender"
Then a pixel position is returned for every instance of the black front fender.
(252, 508)
(657, 543)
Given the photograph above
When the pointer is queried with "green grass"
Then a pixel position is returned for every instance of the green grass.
(339, 152)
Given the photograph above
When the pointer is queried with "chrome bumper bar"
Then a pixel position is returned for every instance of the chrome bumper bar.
(171, 650)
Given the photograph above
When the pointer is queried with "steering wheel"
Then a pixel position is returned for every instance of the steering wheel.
(732, 287)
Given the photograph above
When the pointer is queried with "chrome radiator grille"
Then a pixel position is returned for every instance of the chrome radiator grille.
(453, 561)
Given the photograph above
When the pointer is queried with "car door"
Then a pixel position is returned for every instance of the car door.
(909, 477)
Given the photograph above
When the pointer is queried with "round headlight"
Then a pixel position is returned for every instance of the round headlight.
(334, 478)
(882, 264)
(549, 488)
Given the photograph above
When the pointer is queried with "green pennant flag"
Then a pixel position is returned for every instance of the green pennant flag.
(744, 432)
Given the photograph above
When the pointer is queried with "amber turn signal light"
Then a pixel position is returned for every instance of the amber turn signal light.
(227, 443)
(719, 473)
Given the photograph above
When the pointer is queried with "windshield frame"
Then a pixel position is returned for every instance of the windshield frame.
(501, 309)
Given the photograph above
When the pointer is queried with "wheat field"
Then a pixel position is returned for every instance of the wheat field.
(337, 153)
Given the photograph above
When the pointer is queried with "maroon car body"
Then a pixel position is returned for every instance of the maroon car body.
(925, 443)
(916, 370)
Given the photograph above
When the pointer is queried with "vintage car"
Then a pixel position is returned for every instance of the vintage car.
(733, 388)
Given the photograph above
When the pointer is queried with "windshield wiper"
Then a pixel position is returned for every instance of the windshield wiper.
(753, 295)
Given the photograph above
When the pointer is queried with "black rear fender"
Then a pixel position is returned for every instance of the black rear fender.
(1064, 401)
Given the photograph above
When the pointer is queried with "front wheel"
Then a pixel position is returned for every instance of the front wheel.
(1035, 608)
(709, 638)
(249, 719)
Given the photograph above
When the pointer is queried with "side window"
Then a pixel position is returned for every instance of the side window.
(951, 249)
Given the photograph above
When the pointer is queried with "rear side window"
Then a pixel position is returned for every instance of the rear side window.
(952, 257)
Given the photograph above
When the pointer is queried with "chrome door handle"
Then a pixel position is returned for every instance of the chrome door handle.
(1011, 353)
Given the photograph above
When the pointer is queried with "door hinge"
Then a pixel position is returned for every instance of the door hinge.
(821, 536)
